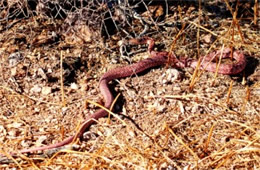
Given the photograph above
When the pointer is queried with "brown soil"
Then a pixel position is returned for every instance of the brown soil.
(163, 123)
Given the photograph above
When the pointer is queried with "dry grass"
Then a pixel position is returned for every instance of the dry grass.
(199, 121)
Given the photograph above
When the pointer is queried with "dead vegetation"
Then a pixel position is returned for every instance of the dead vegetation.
(54, 52)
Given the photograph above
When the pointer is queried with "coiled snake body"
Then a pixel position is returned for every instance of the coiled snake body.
(155, 59)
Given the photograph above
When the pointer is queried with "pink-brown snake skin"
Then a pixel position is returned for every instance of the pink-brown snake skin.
(155, 59)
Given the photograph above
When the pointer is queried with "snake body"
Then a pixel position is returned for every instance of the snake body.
(155, 59)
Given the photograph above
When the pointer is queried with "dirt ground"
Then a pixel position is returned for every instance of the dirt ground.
(47, 77)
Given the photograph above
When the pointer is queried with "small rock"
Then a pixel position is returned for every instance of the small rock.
(37, 110)
(36, 89)
(170, 76)
(14, 125)
(132, 133)
(181, 107)
(84, 86)
(15, 58)
(64, 110)
(208, 38)
(156, 106)
(74, 86)
(42, 74)
(163, 165)
(49, 70)
(46, 90)
(13, 133)
(75, 147)
(41, 140)
(2, 133)
(25, 144)
(13, 71)
(89, 136)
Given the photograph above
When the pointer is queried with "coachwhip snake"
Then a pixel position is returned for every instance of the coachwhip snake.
(155, 59)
